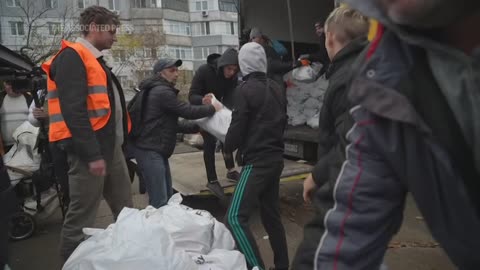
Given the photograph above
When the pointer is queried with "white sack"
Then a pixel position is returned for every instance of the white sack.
(307, 73)
(312, 103)
(23, 155)
(313, 122)
(132, 243)
(167, 238)
(221, 260)
(218, 124)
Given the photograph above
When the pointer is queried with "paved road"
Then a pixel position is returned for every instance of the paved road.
(413, 248)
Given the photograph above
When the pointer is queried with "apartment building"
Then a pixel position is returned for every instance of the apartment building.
(185, 29)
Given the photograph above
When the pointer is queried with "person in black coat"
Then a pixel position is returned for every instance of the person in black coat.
(276, 67)
(219, 77)
(156, 141)
(321, 56)
(258, 123)
(344, 43)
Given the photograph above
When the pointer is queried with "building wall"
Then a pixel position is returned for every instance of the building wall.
(134, 20)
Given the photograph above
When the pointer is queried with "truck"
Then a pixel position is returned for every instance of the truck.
(291, 23)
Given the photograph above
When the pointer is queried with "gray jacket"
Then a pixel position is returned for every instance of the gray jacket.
(405, 139)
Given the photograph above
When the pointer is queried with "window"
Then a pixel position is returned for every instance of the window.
(53, 29)
(51, 3)
(122, 80)
(142, 74)
(13, 3)
(139, 52)
(113, 4)
(223, 28)
(201, 5)
(232, 28)
(17, 28)
(140, 3)
(227, 6)
(179, 52)
(119, 56)
(81, 3)
(201, 29)
(177, 28)
(201, 53)
(156, 3)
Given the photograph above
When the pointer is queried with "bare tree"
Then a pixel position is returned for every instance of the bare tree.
(43, 38)
(138, 50)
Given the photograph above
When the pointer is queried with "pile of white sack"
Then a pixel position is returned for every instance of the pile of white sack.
(169, 238)
(305, 94)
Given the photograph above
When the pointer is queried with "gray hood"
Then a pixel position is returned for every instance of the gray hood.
(252, 58)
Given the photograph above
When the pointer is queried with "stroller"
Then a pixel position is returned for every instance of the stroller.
(33, 179)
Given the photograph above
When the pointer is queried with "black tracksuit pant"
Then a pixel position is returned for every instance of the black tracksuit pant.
(209, 145)
(258, 188)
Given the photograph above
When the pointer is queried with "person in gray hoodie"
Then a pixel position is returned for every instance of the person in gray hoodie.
(258, 122)
(416, 96)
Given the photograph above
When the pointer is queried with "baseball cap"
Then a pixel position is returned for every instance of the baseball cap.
(166, 63)
(256, 32)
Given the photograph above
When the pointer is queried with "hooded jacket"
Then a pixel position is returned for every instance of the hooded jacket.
(405, 139)
(334, 123)
(209, 78)
(335, 120)
(161, 112)
(259, 114)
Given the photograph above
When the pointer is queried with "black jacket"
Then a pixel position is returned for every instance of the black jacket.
(335, 120)
(321, 55)
(258, 121)
(161, 112)
(209, 78)
(68, 72)
(276, 68)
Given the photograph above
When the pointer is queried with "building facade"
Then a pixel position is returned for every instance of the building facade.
(185, 29)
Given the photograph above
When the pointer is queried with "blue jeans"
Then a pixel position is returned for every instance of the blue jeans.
(155, 170)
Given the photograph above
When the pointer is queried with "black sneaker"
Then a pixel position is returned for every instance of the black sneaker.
(233, 175)
(216, 189)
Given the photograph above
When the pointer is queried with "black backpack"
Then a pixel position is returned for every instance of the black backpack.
(136, 110)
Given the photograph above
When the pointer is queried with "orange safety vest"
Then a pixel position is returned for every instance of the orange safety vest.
(98, 103)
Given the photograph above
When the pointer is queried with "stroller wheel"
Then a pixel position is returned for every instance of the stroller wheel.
(22, 226)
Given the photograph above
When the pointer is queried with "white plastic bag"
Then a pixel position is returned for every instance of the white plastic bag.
(192, 230)
(221, 260)
(218, 124)
(23, 154)
(314, 121)
(132, 243)
(307, 73)
(167, 238)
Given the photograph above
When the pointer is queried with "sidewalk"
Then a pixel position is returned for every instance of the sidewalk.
(413, 248)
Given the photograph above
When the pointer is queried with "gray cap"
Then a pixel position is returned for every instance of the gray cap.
(256, 32)
(165, 63)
